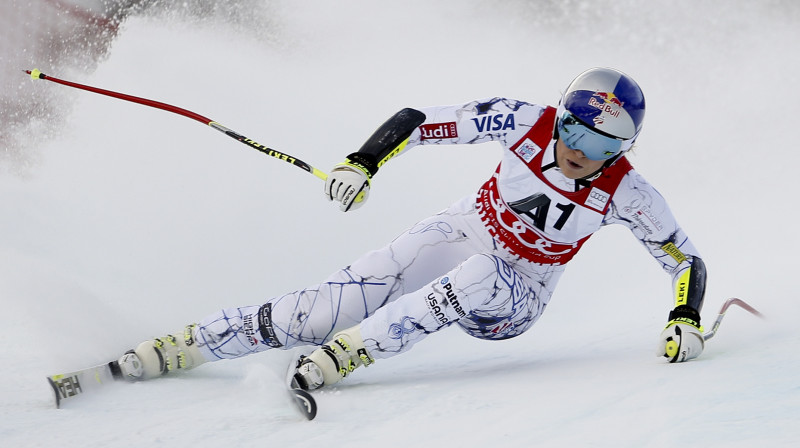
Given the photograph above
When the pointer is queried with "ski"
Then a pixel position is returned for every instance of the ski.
(302, 399)
(68, 387)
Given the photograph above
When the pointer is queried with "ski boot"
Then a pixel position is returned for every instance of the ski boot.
(159, 356)
(333, 361)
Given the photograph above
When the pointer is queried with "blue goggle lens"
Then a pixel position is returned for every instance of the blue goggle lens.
(592, 144)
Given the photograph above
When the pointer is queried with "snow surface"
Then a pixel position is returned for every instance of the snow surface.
(133, 222)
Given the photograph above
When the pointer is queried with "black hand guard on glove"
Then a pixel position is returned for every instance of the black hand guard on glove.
(682, 338)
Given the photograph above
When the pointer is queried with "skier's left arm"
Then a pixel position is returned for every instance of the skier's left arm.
(645, 212)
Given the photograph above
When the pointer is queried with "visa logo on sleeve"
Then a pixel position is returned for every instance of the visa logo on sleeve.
(497, 122)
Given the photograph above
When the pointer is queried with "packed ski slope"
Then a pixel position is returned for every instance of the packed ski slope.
(132, 222)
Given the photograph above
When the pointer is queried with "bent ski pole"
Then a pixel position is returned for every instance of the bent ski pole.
(36, 74)
(732, 301)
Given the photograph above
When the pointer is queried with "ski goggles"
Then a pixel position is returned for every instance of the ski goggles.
(593, 144)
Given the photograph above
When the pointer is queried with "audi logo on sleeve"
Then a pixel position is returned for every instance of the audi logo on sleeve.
(438, 131)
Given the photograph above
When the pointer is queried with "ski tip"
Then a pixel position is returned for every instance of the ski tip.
(55, 391)
(305, 403)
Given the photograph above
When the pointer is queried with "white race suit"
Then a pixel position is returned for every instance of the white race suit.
(488, 263)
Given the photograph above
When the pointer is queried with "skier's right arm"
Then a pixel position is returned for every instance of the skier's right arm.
(349, 181)
(473, 122)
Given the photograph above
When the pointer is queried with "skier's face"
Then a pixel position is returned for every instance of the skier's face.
(573, 163)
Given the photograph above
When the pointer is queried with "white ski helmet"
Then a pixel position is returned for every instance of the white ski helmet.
(601, 113)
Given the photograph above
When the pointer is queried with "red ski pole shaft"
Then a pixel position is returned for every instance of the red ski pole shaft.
(36, 74)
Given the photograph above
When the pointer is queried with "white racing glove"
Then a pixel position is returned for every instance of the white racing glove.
(348, 183)
(682, 338)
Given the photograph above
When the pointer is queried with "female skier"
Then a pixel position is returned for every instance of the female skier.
(489, 262)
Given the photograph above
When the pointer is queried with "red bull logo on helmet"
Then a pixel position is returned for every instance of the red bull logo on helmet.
(610, 104)
(609, 98)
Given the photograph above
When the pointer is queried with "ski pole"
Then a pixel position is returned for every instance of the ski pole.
(36, 74)
(732, 301)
